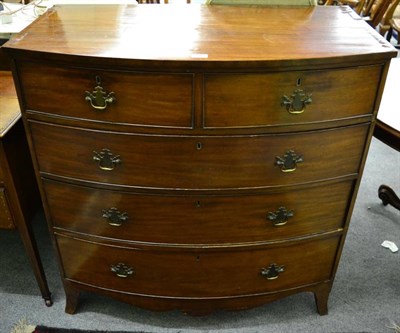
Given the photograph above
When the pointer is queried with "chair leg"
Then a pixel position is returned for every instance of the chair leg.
(389, 34)
(398, 38)
(388, 196)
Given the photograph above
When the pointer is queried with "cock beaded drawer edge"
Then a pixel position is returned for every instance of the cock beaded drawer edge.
(199, 157)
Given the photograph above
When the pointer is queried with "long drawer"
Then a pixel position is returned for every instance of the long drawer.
(169, 272)
(197, 162)
(245, 100)
(189, 219)
(137, 98)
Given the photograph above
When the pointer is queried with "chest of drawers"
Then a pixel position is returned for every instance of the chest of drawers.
(214, 166)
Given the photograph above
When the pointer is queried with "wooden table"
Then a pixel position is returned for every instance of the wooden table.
(388, 125)
(19, 195)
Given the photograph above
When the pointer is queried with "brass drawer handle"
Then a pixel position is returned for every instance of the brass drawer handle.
(280, 217)
(297, 102)
(107, 160)
(114, 217)
(99, 99)
(272, 271)
(289, 161)
(122, 270)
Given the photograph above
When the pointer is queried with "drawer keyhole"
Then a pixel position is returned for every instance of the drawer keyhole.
(199, 146)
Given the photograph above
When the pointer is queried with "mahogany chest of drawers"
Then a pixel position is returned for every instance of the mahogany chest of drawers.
(199, 157)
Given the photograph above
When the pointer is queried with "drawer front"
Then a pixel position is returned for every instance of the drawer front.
(197, 163)
(140, 98)
(245, 100)
(172, 272)
(197, 219)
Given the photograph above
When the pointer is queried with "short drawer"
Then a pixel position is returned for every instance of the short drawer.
(169, 272)
(153, 161)
(197, 219)
(246, 100)
(148, 99)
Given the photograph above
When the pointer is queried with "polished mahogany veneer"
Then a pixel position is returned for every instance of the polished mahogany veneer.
(199, 157)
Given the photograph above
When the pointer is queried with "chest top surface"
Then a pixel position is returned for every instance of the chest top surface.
(201, 35)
